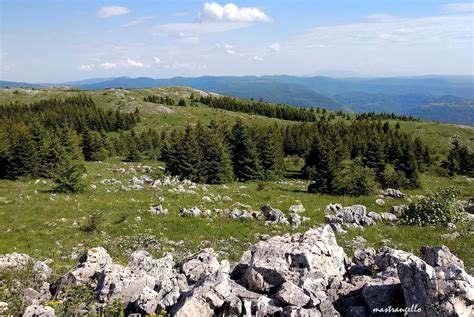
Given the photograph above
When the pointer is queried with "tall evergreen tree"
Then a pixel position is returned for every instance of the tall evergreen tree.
(244, 153)
(321, 166)
(270, 149)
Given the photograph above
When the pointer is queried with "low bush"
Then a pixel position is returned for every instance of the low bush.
(434, 208)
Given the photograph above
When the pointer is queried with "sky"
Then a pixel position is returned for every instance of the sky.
(58, 41)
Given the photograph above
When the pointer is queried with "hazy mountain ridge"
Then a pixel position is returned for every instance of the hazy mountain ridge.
(429, 97)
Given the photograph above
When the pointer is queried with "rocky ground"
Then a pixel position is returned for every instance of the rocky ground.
(304, 274)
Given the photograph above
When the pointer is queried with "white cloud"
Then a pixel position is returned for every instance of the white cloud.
(257, 59)
(110, 11)
(459, 7)
(138, 21)
(382, 17)
(86, 67)
(274, 47)
(384, 45)
(108, 65)
(214, 12)
(214, 18)
(133, 63)
(157, 60)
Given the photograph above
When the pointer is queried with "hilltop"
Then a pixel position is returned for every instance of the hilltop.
(429, 97)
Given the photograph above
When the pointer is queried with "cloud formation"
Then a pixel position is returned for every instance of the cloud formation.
(257, 59)
(459, 7)
(214, 18)
(108, 65)
(214, 12)
(275, 47)
(138, 21)
(110, 11)
(157, 60)
(86, 67)
(133, 63)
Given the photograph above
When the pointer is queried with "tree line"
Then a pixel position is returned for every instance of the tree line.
(51, 138)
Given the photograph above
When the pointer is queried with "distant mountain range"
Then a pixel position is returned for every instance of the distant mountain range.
(441, 98)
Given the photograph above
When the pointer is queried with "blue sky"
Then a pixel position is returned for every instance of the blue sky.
(54, 41)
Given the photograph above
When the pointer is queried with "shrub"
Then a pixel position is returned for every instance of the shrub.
(355, 180)
(434, 208)
(392, 178)
(68, 177)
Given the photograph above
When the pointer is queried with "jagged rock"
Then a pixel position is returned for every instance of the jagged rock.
(380, 202)
(352, 214)
(383, 293)
(208, 294)
(367, 221)
(37, 297)
(148, 301)
(192, 212)
(357, 242)
(267, 307)
(398, 209)
(298, 208)
(388, 217)
(295, 220)
(314, 285)
(440, 256)
(38, 311)
(327, 309)
(273, 215)
(394, 193)
(204, 261)
(42, 270)
(13, 261)
(290, 294)
(93, 262)
(281, 258)
(158, 210)
(332, 208)
(337, 228)
(364, 257)
(450, 236)
(375, 216)
(290, 311)
(124, 284)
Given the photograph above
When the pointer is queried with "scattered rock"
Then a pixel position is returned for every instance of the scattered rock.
(38, 311)
(13, 261)
(158, 210)
(380, 202)
(298, 208)
(394, 193)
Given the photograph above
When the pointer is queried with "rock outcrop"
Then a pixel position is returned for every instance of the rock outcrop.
(304, 274)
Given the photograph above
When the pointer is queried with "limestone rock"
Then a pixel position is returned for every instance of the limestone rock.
(38, 311)
(13, 261)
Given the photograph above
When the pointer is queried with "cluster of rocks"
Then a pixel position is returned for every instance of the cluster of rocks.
(356, 216)
(271, 215)
(305, 274)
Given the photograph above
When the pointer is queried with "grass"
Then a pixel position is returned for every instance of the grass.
(60, 227)
(54, 226)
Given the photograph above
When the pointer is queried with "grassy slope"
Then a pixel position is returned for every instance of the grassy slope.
(32, 219)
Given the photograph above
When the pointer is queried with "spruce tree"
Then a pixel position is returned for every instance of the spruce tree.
(321, 166)
(216, 162)
(270, 150)
(244, 154)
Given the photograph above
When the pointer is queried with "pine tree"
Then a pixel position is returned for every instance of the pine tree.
(187, 156)
(68, 176)
(374, 157)
(321, 166)
(216, 162)
(244, 154)
(270, 150)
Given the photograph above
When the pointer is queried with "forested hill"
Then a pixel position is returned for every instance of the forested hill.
(217, 139)
(430, 97)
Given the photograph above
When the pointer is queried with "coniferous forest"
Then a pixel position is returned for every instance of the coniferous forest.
(44, 138)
